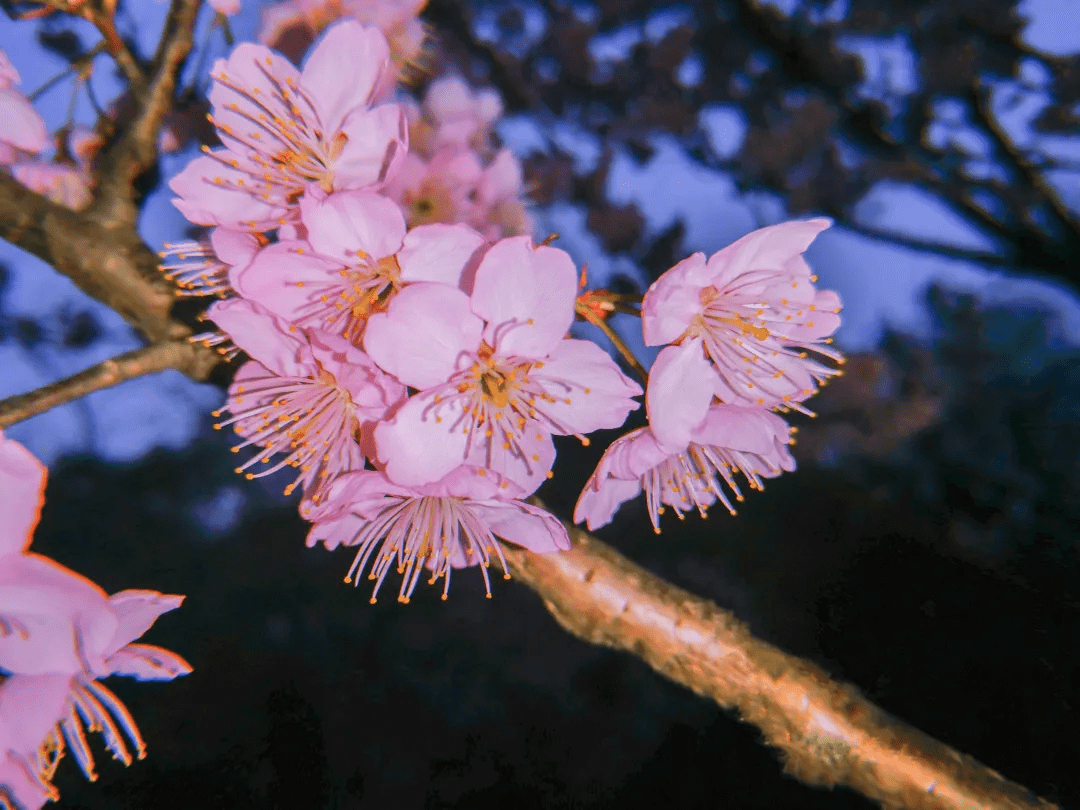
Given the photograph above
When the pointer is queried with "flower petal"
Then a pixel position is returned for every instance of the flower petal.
(287, 279)
(681, 386)
(602, 497)
(525, 525)
(206, 195)
(377, 142)
(440, 252)
(423, 334)
(526, 465)
(22, 493)
(135, 612)
(24, 127)
(347, 223)
(145, 662)
(769, 248)
(264, 337)
(423, 442)
(673, 300)
(343, 69)
(526, 294)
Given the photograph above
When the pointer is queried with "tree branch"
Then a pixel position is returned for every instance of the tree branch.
(193, 360)
(827, 732)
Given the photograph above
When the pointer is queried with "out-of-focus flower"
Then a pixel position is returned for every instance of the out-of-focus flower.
(226, 7)
(285, 130)
(66, 179)
(730, 439)
(447, 524)
(310, 395)
(202, 268)
(356, 256)
(752, 310)
(495, 374)
(454, 115)
(23, 129)
(291, 26)
(59, 634)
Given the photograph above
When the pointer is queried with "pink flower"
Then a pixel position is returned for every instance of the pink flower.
(291, 26)
(24, 129)
(495, 373)
(203, 268)
(284, 130)
(442, 189)
(452, 115)
(451, 523)
(309, 395)
(226, 7)
(753, 312)
(60, 633)
(357, 255)
(731, 439)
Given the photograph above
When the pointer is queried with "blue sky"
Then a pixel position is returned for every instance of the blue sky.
(880, 284)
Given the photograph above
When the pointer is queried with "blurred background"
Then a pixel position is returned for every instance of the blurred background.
(927, 550)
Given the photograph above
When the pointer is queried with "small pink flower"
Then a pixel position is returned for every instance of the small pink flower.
(443, 188)
(495, 373)
(310, 395)
(731, 439)
(753, 312)
(23, 129)
(226, 7)
(356, 256)
(291, 27)
(453, 115)
(203, 268)
(285, 130)
(451, 523)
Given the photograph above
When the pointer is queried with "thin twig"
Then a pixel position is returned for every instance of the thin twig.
(617, 341)
(827, 732)
(180, 355)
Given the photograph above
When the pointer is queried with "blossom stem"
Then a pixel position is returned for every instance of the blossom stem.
(585, 312)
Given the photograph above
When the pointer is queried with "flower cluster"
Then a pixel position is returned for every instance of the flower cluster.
(453, 172)
(60, 634)
(737, 330)
(412, 378)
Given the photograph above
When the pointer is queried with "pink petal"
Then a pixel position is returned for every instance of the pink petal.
(820, 322)
(373, 392)
(287, 278)
(749, 430)
(135, 612)
(235, 248)
(203, 196)
(378, 141)
(259, 72)
(22, 493)
(673, 300)
(589, 391)
(350, 222)
(681, 386)
(425, 332)
(30, 705)
(264, 337)
(525, 466)
(343, 69)
(632, 455)
(601, 499)
(23, 127)
(526, 294)
(423, 442)
(525, 525)
(768, 248)
(440, 252)
(145, 662)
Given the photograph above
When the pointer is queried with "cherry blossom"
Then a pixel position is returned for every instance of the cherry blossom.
(24, 129)
(59, 634)
(752, 310)
(447, 524)
(495, 374)
(452, 114)
(731, 439)
(284, 130)
(309, 395)
(356, 256)
(291, 26)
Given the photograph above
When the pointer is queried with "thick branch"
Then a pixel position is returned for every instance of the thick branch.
(193, 360)
(828, 733)
(135, 150)
(112, 265)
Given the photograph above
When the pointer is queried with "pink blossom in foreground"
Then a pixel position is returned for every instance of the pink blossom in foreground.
(309, 395)
(59, 634)
(356, 256)
(203, 268)
(495, 374)
(23, 129)
(291, 26)
(731, 439)
(284, 130)
(436, 527)
(752, 310)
